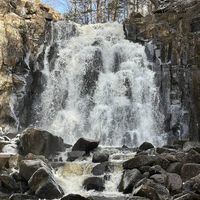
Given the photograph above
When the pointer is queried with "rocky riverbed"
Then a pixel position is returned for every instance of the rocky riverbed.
(29, 163)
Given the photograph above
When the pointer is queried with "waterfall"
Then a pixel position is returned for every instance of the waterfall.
(98, 86)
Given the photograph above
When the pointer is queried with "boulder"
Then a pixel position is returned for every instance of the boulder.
(175, 168)
(187, 146)
(8, 181)
(73, 197)
(139, 161)
(184, 197)
(85, 145)
(161, 150)
(128, 180)
(94, 183)
(162, 161)
(100, 157)
(74, 155)
(19, 196)
(157, 169)
(3, 159)
(174, 183)
(103, 168)
(43, 183)
(146, 191)
(28, 167)
(145, 146)
(158, 178)
(192, 157)
(189, 170)
(40, 142)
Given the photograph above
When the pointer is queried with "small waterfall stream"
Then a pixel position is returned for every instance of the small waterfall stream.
(99, 86)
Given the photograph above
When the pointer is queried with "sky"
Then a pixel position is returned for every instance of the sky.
(58, 5)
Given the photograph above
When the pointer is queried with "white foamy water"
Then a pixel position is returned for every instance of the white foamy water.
(98, 86)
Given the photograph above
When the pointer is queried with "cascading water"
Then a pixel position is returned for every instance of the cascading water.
(98, 86)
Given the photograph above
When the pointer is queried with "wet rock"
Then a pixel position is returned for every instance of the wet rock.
(75, 154)
(161, 150)
(174, 183)
(175, 168)
(85, 145)
(184, 197)
(145, 146)
(28, 167)
(19, 196)
(100, 157)
(192, 157)
(157, 169)
(187, 146)
(138, 198)
(8, 181)
(129, 179)
(73, 197)
(106, 198)
(94, 183)
(162, 161)
(189, 170)
(146, 191)
(43, 183)
(103, 168)
(158, 178)
(138, 162)
(40, 142)
(3, 159)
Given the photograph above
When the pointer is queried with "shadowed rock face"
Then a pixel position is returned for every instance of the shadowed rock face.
(22, 30)
(172, 43)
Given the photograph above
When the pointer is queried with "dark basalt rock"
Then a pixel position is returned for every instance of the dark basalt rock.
(28, 167)
(174, 183)
(158, 178)
(94, 183)
(138, 162)
(73, 197)
(75, 154)
(192, 157)
(19, 196)
(129, 179)
(85, 145)
(146, 191)
(40, 142)
(103, 168)
(189, 170)
(145, 146)
(187, 146)
(43, 183)
(162, 161)
(100, 157)
(8, 181)
(175, 168)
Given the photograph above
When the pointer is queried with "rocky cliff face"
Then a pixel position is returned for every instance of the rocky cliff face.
(22, 32)
(172, 37)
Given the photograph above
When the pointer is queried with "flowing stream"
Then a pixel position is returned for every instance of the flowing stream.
(98, 86)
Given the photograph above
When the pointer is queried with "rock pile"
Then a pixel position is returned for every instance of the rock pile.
(155, 173)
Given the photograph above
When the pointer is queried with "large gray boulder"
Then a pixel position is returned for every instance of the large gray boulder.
(138, 162)
(103, 168)
(94, 183)
(128, 180)
(174, 183)
(190, 170)
(40, 142)
(100, 157)
(44, 185)
(85, 145)
(28, 167)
